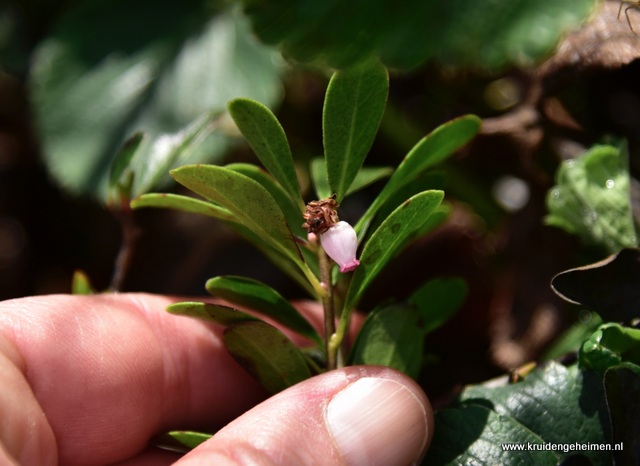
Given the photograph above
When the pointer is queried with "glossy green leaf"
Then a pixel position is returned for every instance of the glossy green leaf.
(592, 198)
(286, 203)
(353, 108)
(183, 203)
(438, 300)
(389, 239)
(181, 441)
(552, 405)
(610, 345)
(262, 298)
(391, 336)
(404, 35)
(431, 150)
(269, 142)
(104, 74)
(473, 434)
(223, 315)
(267, 354)
(622, 388)
(249, 202)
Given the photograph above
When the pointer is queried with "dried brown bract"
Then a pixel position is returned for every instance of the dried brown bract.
(320, 215)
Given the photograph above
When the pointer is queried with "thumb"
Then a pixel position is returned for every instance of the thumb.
(357, 415)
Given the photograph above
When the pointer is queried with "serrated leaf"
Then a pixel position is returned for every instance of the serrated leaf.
(463, 32)
(262, 298)
(222, 315)
(92, 88)
(438, 300)
(391, 336)
(183, 203)
(608, 287)
(181, 441)
(428, 152)
(267, 354)
(389, 238)
(592, 200)
(610, 345)
(288, 206)
(249, 202)
(555, 404)
(622, 388)
(353, 107)
(268, 140)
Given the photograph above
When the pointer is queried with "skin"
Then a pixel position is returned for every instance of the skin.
(89, 380)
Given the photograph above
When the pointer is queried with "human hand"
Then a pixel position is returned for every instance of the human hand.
(89, 380)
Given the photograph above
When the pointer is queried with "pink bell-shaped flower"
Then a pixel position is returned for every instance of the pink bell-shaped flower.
(340, 242)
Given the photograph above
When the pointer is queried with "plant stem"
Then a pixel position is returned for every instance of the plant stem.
(130, 234)
(329, 312)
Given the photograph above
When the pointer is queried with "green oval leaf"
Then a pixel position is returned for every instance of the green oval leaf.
(391, 336)
(261, 298)
(183, 203)
(390, 238)
(223, 315)
(428, 152)
(81, 284)
(287, 204)
(268, 140)
(181, 441)
(438, 300)
(267, 354)
(249, 202)
(353, 107)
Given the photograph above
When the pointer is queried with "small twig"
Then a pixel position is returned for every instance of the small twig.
(130, 235)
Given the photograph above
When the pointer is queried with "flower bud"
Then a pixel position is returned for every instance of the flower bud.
(340, 242)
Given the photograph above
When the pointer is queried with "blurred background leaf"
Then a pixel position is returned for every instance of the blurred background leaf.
(113, 68)
(592, 198)
(405, 34)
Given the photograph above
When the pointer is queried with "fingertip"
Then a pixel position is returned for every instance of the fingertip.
(356, 415)
(380, 420)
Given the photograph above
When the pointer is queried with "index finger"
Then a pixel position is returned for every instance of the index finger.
(111, 371)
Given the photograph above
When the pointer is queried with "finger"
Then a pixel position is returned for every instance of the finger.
(106, 373)
(356, 415)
